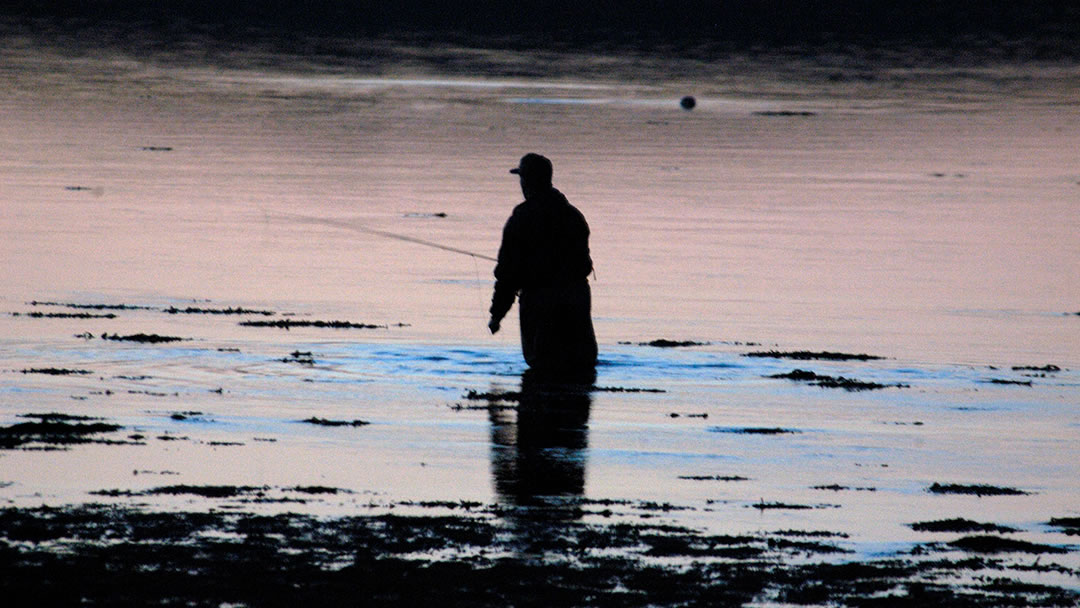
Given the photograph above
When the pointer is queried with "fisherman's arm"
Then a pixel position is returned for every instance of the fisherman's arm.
(507, 281)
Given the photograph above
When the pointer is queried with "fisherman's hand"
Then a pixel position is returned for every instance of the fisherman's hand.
(493, 325)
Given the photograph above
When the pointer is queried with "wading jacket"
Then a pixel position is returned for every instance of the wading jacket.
(545, 243)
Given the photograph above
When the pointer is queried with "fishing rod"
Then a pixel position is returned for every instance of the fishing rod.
(348, 225)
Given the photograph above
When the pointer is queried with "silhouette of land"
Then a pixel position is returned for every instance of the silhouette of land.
(1024, 28)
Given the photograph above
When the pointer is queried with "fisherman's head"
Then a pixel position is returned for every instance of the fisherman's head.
(535, 172)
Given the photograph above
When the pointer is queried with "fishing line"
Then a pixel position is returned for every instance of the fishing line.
(351, 225)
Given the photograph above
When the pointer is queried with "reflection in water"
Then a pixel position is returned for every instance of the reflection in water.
(538, 459)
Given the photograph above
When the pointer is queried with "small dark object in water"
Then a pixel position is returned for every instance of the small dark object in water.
(55, 371)
(958, 525)
(997, 544)
(289, 324)
(325, 422)
(976, 490)
(156, 148)
(805, 355)
(141, 338)
(784, 113)
(665, 343)
(839, 488)
(688, 102)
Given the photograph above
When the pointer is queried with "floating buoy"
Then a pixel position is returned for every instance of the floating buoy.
(688, 102)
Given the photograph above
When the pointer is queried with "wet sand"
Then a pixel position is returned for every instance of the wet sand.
(838, 340)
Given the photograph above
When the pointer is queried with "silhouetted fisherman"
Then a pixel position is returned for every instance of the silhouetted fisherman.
(544, 262)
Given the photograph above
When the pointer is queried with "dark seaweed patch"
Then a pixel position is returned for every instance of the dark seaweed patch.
(975, 490)
(179, 558)
(54, 429)
(804, 546)
(997, 544)
(325, 422)
(289, 324)
(805, 355)
(301, 357)
(55, 371)
(1069, 525)
(714, 477)
(624, 389)
(169, 437)
(785, 113)
(762, 505)
(492, 396)
(141, 338)
(1009, 382)
(665, 343)
(753, 430)
(958, 525)
(64, 315)
(91, 306)
(847, 384)
(810, 534)
(1049, 369)
(466, 505)
(317, 490)
(206, 491)
(172, 310)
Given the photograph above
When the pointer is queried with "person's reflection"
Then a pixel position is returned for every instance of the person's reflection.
(538, 458)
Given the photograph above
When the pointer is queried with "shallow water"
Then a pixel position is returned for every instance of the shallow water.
(928, 218)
